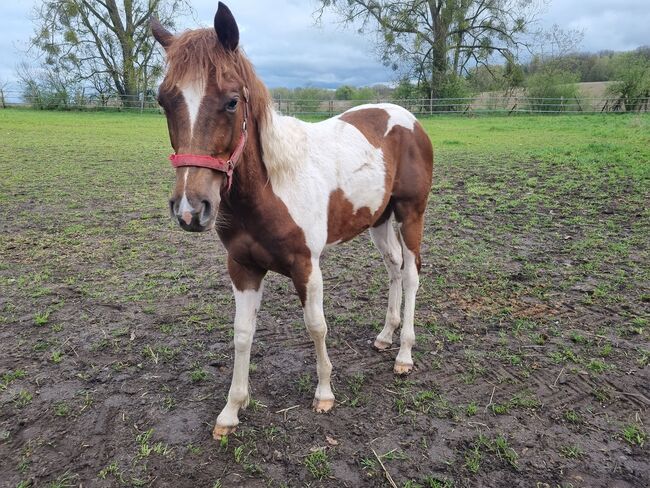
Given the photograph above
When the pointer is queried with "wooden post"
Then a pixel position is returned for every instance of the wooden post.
(513, 107)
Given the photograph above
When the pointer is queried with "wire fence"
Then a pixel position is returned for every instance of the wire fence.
(480, 104)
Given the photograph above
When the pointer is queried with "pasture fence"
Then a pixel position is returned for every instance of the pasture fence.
(487, 104)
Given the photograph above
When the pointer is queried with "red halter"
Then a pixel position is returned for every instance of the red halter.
(217, 164)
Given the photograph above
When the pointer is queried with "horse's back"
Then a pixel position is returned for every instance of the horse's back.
(406, 147)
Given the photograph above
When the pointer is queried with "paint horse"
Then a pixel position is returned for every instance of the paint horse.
(279, 191)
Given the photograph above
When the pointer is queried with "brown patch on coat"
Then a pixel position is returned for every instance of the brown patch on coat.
(371, 122)
(343, 223)
(412, 183)
(245, 277)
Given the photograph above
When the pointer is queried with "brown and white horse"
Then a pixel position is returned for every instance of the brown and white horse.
(279, 191)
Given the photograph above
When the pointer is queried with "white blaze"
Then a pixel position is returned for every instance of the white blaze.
(193, 94)
(185, 204)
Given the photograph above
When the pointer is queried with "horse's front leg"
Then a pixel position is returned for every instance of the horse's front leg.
(309, 284)
(247, 286)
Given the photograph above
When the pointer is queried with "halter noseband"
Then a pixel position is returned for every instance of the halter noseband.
(217, 164)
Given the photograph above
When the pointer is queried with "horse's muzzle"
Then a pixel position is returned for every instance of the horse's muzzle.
(192, 219)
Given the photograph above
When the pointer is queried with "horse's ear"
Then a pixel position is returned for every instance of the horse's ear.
(226, 27)
(162, 35)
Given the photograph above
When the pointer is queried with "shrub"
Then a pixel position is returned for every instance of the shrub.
(633, 88)
(456, 89)
(552, 90)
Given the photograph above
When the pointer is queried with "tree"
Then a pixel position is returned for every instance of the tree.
(47, 88)
(344, 92)
(438, 41)
(633, 86)
(104, 41)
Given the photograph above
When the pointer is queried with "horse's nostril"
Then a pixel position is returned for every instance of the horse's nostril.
(206, 208)
(171, 206)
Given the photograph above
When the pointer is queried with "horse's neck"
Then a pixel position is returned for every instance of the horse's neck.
(270, 159)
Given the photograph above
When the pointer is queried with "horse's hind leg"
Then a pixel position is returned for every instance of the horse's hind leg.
(386, 241)
(411, 228)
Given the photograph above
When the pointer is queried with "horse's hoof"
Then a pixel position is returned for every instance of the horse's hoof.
(402, 369)
(322, 406)
(381, 345)
(221, 431)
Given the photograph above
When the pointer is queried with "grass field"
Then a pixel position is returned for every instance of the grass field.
(532, 320)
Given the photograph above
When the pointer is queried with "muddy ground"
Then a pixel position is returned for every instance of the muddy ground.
(531, 360)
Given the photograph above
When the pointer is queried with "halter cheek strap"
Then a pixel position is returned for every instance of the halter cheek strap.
(226, 166)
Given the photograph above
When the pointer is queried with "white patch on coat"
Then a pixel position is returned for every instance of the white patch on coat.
(193, 94)
(321, 158)
(396, 115)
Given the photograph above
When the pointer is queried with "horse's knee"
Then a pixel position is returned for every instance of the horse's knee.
(410, 279)
(317, 328)
(242, 340)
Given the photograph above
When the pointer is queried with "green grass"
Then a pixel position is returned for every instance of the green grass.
(562, 139)
(634, 434)
(318, 464)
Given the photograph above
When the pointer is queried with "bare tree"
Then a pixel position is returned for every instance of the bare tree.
(433, 39)
(105, 40)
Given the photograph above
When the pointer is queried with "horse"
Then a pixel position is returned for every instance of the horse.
(279, 191)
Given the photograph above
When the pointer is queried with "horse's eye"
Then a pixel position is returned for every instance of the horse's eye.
(232, 105)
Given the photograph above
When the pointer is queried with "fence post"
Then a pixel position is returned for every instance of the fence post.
(513, 107)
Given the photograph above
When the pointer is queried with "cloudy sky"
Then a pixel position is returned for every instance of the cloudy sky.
(288, 49)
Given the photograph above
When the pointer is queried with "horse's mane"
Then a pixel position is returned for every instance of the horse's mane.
(198, 54)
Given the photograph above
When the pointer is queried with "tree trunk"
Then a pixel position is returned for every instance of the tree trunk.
(439, 57)
(131, 91)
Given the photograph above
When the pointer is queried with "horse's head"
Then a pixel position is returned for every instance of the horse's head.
(206, 102)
